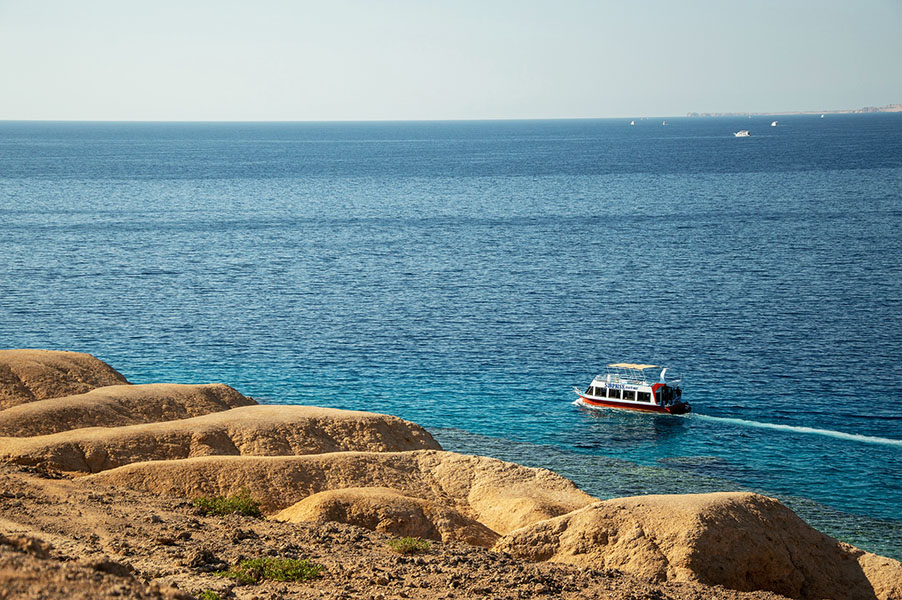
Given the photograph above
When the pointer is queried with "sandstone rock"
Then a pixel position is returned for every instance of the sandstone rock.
(29, 375)
(884, 574)
(742, 541)
(249, 430)
(502, 496)
(389, 511)
(83, 528)
(117, 405)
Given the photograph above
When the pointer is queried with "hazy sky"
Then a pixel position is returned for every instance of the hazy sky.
(463, 59)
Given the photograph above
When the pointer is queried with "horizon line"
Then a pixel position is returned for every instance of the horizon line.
(692, 115)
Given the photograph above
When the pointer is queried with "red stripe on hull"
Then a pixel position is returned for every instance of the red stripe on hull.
(614, 404)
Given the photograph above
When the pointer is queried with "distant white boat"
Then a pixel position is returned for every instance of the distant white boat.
(742, 133)
(822, 116)
(632, 122)
(663, 122)
(774, 124)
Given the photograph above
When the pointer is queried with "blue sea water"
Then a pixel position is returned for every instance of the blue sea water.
(465, 275)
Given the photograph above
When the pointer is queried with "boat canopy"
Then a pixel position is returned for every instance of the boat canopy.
(632, 366)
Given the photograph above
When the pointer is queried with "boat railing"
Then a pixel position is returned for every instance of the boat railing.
(635, 376)
(624, 375)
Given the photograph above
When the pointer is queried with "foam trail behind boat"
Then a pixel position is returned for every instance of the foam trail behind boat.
(811, 430)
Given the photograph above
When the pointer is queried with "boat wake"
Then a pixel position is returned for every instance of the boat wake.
(855, 437)
(868, 439)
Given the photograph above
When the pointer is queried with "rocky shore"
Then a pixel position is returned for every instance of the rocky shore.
(99, 478)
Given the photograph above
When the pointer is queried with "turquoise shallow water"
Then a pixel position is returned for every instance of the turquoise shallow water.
(466, 275)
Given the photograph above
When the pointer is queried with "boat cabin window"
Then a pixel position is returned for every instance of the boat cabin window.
(629, 395)
(643, 396)
(613, 393)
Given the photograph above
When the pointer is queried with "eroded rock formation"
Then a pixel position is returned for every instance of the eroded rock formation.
(29, 375)
(117, 405)
(500, 495)
(249, 430)
(738, 540)
(391, 512)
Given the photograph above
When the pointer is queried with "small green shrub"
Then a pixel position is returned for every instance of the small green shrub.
(241, 503)
(255, 570)
(409, 545)
(208, 595)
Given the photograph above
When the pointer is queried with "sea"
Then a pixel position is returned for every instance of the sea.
(467, 275)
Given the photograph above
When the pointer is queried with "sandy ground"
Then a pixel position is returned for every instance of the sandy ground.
(59, 541)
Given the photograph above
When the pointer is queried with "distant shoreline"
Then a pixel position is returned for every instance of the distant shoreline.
(889, 108)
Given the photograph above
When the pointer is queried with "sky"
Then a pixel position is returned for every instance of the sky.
(283, 60)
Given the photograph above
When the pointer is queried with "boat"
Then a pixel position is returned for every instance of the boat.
(630, 386)
(632, 122)
(663, 122)
(742, 133)
(773, 124)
